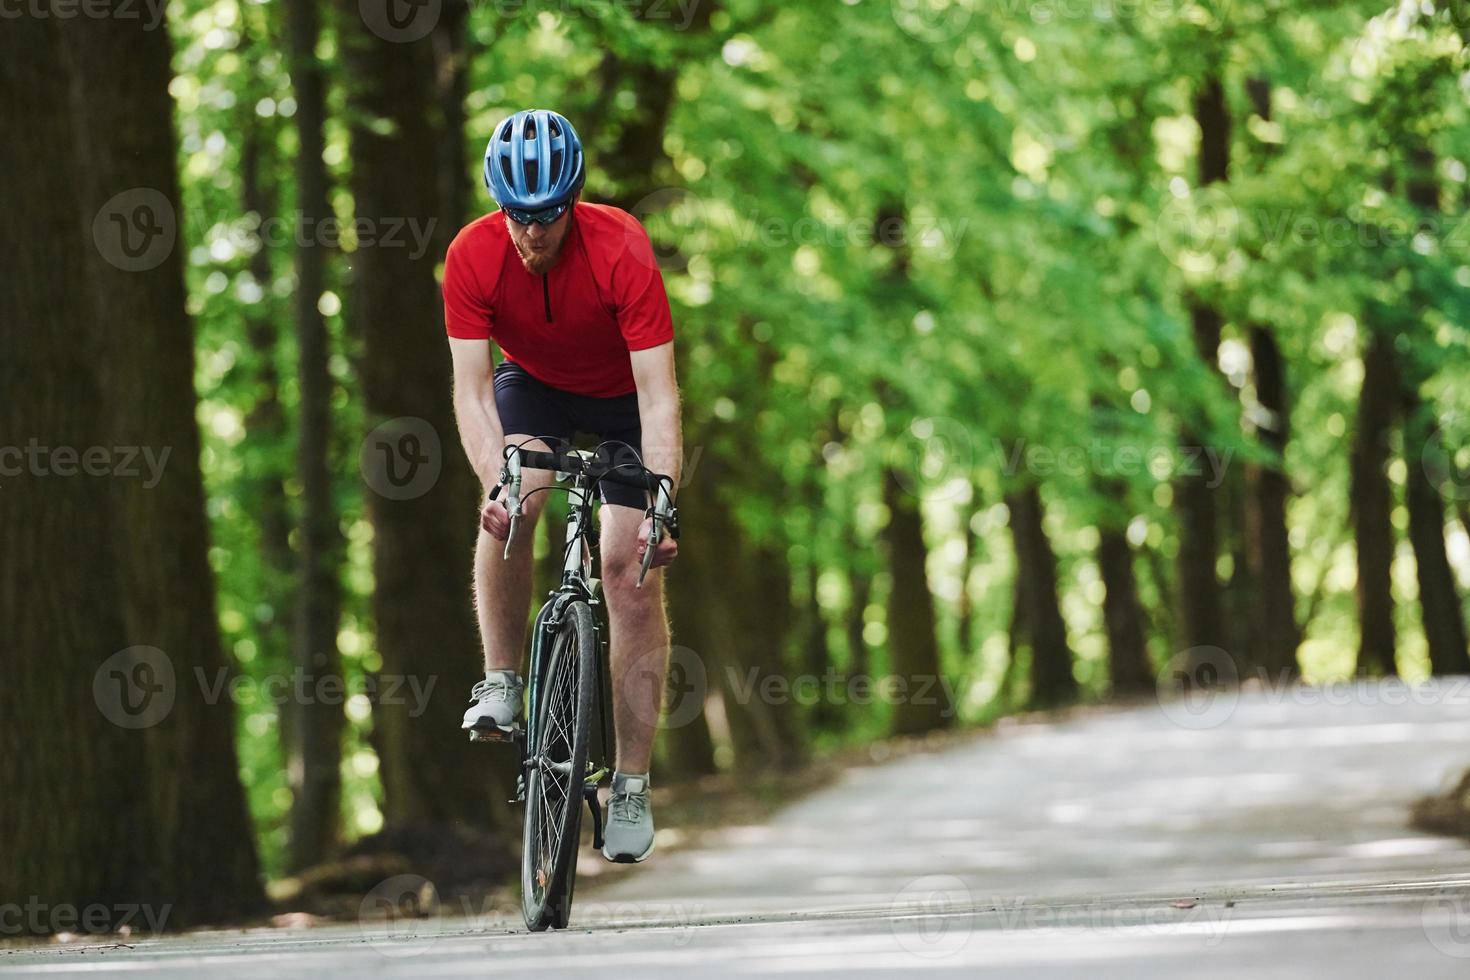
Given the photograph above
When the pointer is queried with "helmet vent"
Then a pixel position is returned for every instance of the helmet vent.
(534, 160)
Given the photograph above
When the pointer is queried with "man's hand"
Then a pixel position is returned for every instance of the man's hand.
(667, 550)
(496, 519)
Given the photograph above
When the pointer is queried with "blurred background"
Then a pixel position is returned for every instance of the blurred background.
(1033, 354)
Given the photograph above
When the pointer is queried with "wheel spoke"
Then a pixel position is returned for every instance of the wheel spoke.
(555, 783)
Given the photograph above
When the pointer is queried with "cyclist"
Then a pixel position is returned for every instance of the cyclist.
(571, 294)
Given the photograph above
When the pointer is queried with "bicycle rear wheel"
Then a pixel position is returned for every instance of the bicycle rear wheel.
(558, 771)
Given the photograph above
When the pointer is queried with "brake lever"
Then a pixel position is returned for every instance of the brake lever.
(510, 537)
(512, 482)
(662, 506)
(648, 551)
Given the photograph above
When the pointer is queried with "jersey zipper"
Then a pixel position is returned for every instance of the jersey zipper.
(546, 295)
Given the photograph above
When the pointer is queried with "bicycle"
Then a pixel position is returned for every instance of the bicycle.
(569, 680)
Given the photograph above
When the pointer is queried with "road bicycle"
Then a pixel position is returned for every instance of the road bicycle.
(566, 745)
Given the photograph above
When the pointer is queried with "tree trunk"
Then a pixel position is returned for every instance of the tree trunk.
(1162, 622)
(859, 657)
(1129, 671)
(738, 624)
(1439, 599)
(637, 153)
(314, 753)
(1018, 640)
(1240, 599)
(422, 494)
(1372, 506)
(1268, 546)
(116, 164)
(769, 570)
(745, 612)
(264, 488)
(824, 716)
(457, 180)
(968, 626)
(76, 810)
(914, 662)
(1128, 665)
(1268, 543)
(1201, 616)
(1052, 681)
(913, 640)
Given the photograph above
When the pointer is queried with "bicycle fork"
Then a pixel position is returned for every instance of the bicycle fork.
(604, 728)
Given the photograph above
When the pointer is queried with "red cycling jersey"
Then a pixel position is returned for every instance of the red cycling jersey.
(573, 327)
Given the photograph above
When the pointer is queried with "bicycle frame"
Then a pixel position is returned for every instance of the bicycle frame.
(577, 582)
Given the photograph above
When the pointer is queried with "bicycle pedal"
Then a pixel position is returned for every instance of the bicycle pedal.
(503, 735)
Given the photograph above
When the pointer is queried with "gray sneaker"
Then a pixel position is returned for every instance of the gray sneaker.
(496, 706)
(629, 836)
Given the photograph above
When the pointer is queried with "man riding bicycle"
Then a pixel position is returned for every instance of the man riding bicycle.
(572, 295)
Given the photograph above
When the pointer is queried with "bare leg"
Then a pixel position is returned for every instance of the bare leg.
(639, 641)
(503, 585)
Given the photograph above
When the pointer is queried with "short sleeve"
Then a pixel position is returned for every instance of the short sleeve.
(642, 303)
(467, 311)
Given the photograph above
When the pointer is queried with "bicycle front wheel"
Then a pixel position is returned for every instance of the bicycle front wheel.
(558, 771)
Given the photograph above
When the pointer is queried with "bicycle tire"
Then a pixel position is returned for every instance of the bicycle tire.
(553, 827)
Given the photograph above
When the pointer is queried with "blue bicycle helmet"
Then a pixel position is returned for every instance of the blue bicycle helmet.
(534, 161)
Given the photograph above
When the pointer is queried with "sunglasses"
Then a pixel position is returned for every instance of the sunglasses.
(543, 217)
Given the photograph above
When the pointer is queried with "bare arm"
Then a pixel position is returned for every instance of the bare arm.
(663, 437)
(658, 410)
(474, 408)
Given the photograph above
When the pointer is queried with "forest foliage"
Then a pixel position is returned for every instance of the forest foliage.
(1034, 345)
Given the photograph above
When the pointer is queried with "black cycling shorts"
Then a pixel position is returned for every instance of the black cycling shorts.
(534, 408)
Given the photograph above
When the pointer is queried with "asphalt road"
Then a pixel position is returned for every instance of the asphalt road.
(1259, 835)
